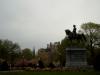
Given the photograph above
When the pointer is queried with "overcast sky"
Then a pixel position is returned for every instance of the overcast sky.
(34, 23)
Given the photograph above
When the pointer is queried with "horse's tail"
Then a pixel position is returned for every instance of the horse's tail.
(83, 36)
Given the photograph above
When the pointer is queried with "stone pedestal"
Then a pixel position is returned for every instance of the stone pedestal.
(76, 57)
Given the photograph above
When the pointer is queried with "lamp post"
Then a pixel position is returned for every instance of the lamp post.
(23, 62)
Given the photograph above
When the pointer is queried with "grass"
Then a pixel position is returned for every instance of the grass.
(49, 73)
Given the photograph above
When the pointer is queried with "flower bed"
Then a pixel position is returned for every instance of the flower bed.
(59, 69)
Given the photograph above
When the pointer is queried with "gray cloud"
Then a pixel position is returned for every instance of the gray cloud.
(37, 22)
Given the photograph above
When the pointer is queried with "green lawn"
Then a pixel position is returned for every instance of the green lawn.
(49, 73)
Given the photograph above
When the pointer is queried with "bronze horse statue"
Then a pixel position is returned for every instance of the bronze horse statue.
(75, 36)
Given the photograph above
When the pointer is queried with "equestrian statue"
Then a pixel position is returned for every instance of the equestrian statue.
(74, 35)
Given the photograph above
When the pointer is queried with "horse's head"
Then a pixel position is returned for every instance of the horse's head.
(68, 32)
